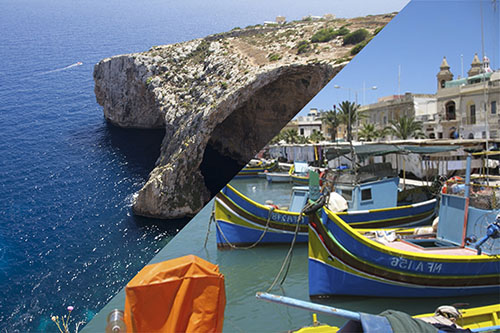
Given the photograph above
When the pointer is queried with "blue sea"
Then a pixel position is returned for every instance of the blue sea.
(67, 179)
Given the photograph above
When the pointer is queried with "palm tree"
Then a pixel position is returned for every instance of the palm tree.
(292, 136)
(302, 139)
(277, 138)
(348, 116)
(382, 133)
(316, 136)
(406, 128)
(331, 120)
(368, 132)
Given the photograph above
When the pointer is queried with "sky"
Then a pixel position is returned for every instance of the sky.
(405, 56)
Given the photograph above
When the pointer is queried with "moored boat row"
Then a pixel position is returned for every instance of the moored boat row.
(349, 255)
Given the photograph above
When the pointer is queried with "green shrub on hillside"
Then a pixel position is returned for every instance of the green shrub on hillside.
(303, 47)
(327, 34)
(274, 57)
(356, 37)
(355, 50)
(324, 35)
(343, 31)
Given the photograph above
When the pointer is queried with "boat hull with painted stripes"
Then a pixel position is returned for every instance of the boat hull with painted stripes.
(344, 262)
(254, 171)
(241, 220)
(277, 177)
(299, 179)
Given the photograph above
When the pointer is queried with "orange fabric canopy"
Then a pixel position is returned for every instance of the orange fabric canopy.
(185, 294)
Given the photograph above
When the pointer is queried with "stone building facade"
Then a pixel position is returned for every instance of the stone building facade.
(420, 106)
(468, 107)
(465, 108)
(309, 123)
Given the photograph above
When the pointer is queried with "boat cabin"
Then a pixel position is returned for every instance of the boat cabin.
(300, 195)
(464, 217)
(373, 186)
(300, 168)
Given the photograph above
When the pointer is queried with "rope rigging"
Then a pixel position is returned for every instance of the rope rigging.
(231, 245)
(309, 208)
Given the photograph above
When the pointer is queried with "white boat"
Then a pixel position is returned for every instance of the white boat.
(278, 177)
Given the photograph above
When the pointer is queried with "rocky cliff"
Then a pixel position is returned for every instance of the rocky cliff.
(220, 100)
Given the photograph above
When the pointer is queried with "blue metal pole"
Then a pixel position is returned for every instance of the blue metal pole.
(328, 310)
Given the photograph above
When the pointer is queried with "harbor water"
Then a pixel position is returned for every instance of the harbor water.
(249, 271)
(67, 179)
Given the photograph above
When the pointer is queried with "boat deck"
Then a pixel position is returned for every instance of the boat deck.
(407, 246)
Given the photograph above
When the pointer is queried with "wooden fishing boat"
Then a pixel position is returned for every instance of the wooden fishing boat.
(299, 179)
(277, 177)
(462, 258)
(476, 319)
(254, 167)
(241, 220)
(299, 173)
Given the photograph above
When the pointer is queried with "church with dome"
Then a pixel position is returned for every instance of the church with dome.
(461, 108)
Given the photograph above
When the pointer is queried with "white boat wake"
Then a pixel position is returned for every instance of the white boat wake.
(63, 68)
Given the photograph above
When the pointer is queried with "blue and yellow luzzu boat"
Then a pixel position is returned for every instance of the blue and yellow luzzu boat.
(254, 168)
(299, 179)
(241, 220)
(299, 173)
(342, 261)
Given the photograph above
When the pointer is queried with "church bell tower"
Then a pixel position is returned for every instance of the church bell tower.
(444, 74)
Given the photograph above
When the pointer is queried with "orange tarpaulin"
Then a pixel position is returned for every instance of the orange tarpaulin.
(185, 294)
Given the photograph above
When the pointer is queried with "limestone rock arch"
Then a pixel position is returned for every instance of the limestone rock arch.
(197, 162)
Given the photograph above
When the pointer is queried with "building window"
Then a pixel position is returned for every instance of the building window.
(494, 107)
(347, 194)
(443, 83)
(432, 136)
(301, 131)
(450, 111)
(472, 112)
(366, 194)
(440, 135)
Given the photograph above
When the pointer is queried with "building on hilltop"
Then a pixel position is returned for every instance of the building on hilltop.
(280, 19)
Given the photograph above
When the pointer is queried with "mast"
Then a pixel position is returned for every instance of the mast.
(485, 109)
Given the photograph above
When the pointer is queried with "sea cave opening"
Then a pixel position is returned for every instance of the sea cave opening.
(250, 124)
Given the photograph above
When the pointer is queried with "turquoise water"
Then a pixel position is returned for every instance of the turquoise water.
(249, 271)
